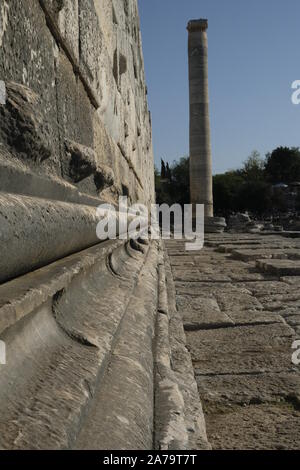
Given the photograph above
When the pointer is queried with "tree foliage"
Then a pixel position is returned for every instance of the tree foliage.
(283, 165)
(226, 188)
(249, 188)
(254, 166)
(177, 188)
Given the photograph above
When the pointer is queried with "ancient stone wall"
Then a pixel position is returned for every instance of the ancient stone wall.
(95, 351)
(75, 127)
(76, 111)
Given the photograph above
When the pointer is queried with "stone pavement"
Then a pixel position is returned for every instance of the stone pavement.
(239, 299)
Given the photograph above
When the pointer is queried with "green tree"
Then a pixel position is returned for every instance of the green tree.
(280, 200)
(161, 189)
(177, 188)
(226, 189)
(254, 167)
(283, 165)
(180, 184)
(255, 196)
(248, 188)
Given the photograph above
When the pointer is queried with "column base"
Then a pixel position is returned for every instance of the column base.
(214, 224)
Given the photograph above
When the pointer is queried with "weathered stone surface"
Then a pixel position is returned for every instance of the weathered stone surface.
(182, 367)
(193, 321)
(26, 293)
(171, 431)
(110, 424)
(208, 289)
(193, 275)
(22, 126)
(67, 62)
(201, 313)
(291, 280)
(261, 289)
(97, 356)
(84, 355)
(249, 389)
(181, 261)
(228, 301)
(27, 58)
(257, 427)
(56, 66)
(18, 177)
(96, 350)
(200, 145)
(92, 42)
(64, 14)
(241, 349)
(251, 255)
(293, 320)
(34, 232)
(83, 163)
(55, 361)
(241, 317)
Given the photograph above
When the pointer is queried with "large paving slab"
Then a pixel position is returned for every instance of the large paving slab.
(266, 253)
(239, 300)
(256, 427)
(259, 388)
(243, 349)
(280, 267)
(201, 313)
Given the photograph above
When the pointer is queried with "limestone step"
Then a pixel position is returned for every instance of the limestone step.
(279, 267)
(265, 253)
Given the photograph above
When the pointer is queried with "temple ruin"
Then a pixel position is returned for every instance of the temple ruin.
(125, 344)
(88, 326)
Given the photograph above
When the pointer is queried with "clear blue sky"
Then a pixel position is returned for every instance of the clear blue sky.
(254, 56)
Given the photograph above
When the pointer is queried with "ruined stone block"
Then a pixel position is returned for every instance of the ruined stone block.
(23, 127)
(27, 58)
(83, 163)
(91, 44)
(64, 15)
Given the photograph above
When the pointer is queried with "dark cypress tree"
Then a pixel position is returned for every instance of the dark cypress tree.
(163, 170)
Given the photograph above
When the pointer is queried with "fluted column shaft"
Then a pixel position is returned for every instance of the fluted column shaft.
(200, 145)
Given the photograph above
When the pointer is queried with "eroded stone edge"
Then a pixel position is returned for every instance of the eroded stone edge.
(180, 422)
(122, 414)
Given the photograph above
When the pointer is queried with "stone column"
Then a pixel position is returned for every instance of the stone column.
(200, 144)
(201, 191)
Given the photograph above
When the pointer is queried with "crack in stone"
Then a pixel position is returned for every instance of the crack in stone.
(188, 327)
(253, 373)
